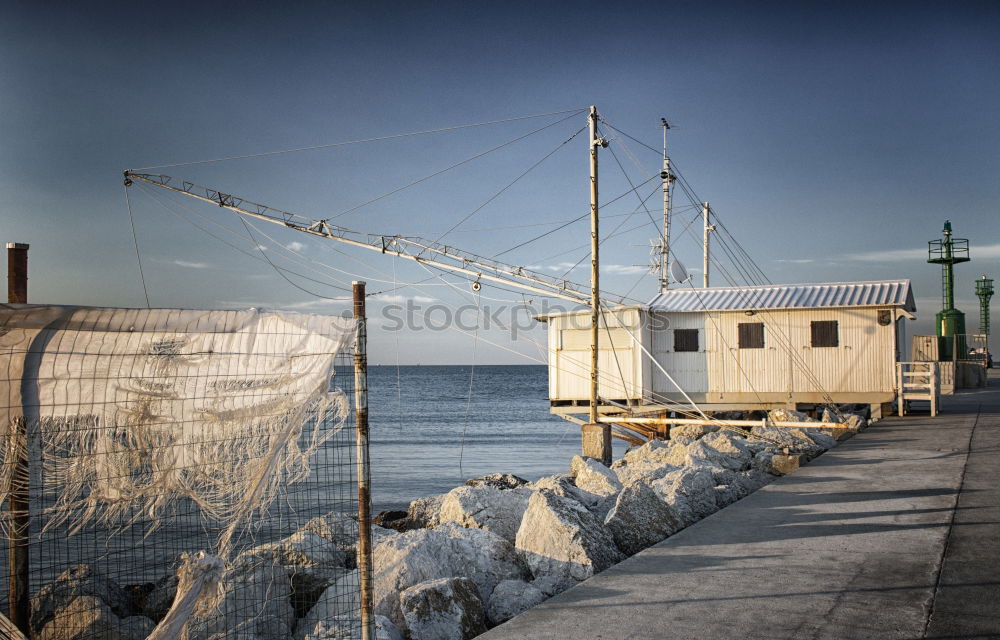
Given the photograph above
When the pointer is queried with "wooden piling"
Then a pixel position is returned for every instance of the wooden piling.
(364, 473)
(17, 504)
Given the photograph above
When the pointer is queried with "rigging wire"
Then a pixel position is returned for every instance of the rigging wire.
(512, 182)
(135, 242)
(281, 272)
(457, 164)
(364, 140)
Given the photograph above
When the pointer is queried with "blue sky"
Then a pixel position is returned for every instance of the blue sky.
(832, 139)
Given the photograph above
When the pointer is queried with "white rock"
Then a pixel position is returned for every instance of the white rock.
(486, 507)
(510, 598)
(593, 477)
(654, 450)
(443, 609)
(793, 439)
(560, 537)
(564, 486)
(339, 600)
(501, 481)
(257, 601)
(742, 484)
(312, 562)
(690, 492)
(692, 431)
(788, 415)
(89, 618)
(640, 519)
(81, 580)
(344, 627)
(410, 558)
(423, 512)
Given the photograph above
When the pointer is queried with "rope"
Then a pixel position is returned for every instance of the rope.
(363, 140)
(135, 242)
(468, 401)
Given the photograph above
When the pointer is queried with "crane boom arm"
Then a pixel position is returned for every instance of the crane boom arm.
(412, 248)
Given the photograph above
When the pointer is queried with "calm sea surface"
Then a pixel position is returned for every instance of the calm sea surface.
(427, 438)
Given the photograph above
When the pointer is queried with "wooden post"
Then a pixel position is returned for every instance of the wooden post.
(596, 437)
(17, 504)
(364, 472)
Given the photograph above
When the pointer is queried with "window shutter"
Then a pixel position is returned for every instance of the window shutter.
(751, 335)
(685, 339)
(825, 333)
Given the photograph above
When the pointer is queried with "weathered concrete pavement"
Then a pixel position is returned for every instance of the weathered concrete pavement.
(893, 534)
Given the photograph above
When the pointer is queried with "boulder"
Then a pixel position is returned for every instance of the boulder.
(443, 609)
(692, 431)
(423, 512)
(690, 492)
(560, 537)
(339, 528)
(87, 617)
(640, 519)
(81, 580)
(552, 585)
(592, 476)
(510, 598)
(257, 600)
(564, 486)
(394, 519)
(498, 481)
(311, 562)
(654, 450)
(718, 452)
(854, 421)
(792, 439)
(788, 415)
(486, 507)
(410, 558)
(742, 484)
(344, 627)
(338, 601)
(159, 598)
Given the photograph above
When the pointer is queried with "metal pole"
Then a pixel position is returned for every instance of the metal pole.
(364, 473)
(17, 504)
(666, 177)
(705, 209)
(595, 296)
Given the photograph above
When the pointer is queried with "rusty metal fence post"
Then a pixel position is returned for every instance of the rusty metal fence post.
(17, 504)
(364, 473)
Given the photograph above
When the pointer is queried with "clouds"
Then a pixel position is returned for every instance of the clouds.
(612, 269)
(920, 254)
(400, 299)
(190, 265)
(294, 245)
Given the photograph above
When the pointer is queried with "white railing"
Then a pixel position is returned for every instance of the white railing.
(918, 381)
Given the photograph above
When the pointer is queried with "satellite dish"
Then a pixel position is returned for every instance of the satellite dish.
(678, 272)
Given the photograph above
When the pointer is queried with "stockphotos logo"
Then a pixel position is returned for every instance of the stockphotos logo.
(415, 315)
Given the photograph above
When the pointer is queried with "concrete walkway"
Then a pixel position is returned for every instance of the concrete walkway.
(893, 534)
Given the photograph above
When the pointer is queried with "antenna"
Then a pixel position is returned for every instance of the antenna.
(664, 243)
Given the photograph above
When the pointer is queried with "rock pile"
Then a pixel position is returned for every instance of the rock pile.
(452, 565)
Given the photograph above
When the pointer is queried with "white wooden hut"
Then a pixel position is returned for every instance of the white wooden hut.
(737, 348)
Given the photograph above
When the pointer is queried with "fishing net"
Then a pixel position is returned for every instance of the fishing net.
(186, 470)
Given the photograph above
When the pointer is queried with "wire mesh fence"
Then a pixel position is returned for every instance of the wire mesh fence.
(167, 473)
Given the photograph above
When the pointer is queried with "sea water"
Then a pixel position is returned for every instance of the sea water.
(434, 427)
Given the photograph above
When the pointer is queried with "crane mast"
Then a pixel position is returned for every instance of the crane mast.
(417, 249)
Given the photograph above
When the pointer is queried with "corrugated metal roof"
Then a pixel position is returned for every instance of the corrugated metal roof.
(896, 293)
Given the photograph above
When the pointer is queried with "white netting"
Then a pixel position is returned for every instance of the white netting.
(133, 410)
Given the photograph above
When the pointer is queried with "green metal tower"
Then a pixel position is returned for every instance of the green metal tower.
(949, 321)
(984, 291)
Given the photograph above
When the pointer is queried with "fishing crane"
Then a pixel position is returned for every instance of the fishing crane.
(413, 248)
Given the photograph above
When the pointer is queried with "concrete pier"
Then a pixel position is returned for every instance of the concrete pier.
(893, 534)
